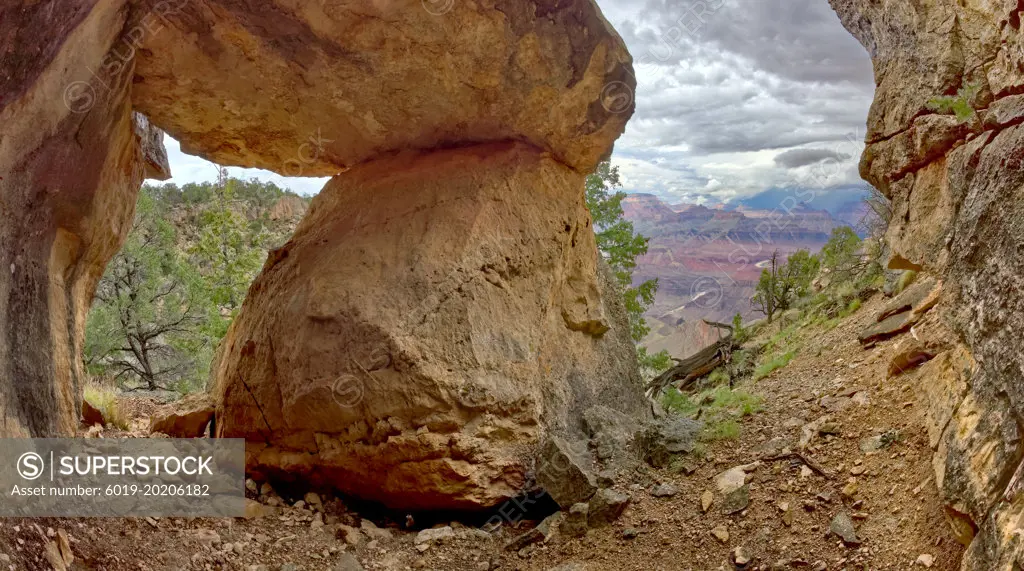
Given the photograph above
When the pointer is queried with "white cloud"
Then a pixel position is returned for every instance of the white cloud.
(756, 79)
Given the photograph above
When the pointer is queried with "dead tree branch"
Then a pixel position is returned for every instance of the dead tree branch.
(689, 370)
(810, 463)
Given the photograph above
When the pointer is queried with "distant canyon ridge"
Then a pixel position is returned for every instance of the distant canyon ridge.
(708, 259)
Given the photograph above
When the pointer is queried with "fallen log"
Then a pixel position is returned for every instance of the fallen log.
(688, 371)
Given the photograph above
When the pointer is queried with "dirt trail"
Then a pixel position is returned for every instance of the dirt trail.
(889, 494)
(895, 505)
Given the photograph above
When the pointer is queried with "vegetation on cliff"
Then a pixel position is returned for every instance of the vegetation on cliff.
(168, 296)
(800, 297)
(621, 245)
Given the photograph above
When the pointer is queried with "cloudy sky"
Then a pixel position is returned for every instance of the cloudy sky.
(734, 97)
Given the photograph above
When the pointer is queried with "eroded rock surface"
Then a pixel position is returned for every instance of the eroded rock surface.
(310, 88)
(956, 188)
(72, 159)
(903, 312)
(433, 318)
(187, 418)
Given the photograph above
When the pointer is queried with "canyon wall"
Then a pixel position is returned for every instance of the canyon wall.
(72, 158)
(957, 184)
(708, 260)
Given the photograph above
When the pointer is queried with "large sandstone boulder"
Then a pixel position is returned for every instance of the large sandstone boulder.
(565, 471)
(311, 88)
(187, 418)
(434, 316)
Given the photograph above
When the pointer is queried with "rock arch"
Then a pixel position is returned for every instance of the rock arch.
(438, 311)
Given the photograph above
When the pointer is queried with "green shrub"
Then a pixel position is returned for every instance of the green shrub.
(675, 401)
(961, 104)
(720, 409)
(735, 402)
(727, 429)
(653, 364)
(850, 309)
(740, 334)
(782, 340)
(700, 451)
(104, 399)
(777, 362)
(840, 253)
(783, 283)
(906, 279)
(844, 292)
(719, 376)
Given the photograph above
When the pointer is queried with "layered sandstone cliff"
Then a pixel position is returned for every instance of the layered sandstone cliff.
(956, 186)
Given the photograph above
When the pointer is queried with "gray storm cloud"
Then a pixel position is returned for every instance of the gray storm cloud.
(796, 158)
(722, 78)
